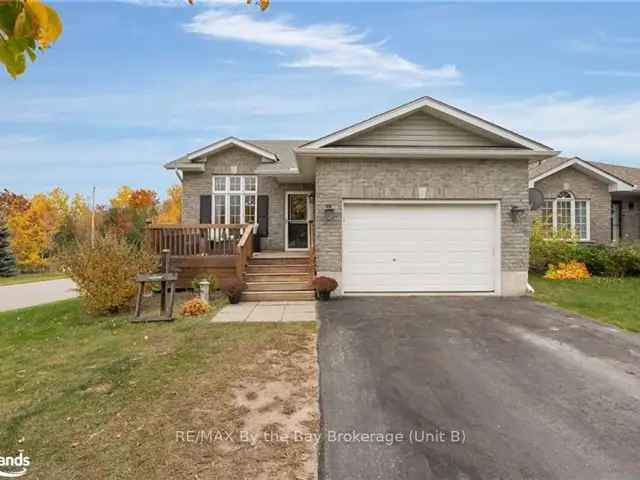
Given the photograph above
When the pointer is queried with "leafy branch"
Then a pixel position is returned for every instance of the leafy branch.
(27, 27)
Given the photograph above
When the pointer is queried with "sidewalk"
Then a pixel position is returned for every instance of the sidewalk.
(36, 293)
(285, 311)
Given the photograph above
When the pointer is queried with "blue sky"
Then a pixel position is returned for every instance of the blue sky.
(131, 85)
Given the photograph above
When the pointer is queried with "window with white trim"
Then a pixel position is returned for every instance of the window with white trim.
(235, 198)
(566, 214)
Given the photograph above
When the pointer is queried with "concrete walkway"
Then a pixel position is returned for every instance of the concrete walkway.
(36, 293)
(285, 311)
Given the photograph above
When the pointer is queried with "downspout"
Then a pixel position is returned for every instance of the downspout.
(178, 175)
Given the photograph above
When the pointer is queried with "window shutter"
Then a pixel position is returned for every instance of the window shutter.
(263, 215)
(205, 209)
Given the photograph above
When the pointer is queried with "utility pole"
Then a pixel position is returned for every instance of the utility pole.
(93, 217)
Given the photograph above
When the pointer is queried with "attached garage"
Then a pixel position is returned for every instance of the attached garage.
(420, 246)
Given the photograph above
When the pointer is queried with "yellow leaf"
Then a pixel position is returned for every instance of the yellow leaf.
(46, 22)
(22, 27)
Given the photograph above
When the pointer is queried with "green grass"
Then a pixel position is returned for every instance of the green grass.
(608, 300)
(30, 277)
(92, 397)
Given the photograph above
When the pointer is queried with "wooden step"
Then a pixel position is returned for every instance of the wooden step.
(278, 268)
(262, 296)
(279, 261)
(277, 277)
(275, 286)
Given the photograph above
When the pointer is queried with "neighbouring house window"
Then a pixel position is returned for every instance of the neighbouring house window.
(565, 214)
(235, 199)
(581, 227)
(547, 216)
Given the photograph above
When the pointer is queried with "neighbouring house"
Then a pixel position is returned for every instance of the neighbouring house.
(422, 198)
(598, 201)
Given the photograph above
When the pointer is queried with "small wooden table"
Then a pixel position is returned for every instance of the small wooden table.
(165, 280)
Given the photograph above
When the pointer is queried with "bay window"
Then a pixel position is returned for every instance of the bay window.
(567, 215)
(234, 199)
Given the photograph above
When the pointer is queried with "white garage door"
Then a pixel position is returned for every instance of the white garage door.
(403, 247)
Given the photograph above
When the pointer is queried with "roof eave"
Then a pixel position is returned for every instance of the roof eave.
(424, 152)
(436, 106)
(616, 184)
(228, 142)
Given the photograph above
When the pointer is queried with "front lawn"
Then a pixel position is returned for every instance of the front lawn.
(609, 300)
(102, 398)
(30, 278)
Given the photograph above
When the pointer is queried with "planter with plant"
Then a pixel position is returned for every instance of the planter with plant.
(324, 286)
(233, 289)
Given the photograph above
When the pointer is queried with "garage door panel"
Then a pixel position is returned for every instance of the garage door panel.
(414, 248)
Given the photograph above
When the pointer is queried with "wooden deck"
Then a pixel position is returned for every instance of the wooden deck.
(227, 252)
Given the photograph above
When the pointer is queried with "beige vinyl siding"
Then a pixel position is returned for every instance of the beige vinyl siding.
(418, 130)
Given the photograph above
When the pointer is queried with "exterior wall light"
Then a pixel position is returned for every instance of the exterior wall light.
(517, 213)
(329, 212)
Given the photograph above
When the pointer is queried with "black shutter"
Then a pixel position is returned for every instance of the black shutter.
(205, 209)
(263, 215)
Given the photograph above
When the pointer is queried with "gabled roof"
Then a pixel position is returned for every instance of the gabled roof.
(553, 165)
(219, 146)
(438, 109)
(628, 174)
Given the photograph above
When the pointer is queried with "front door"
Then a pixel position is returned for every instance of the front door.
(297, 213)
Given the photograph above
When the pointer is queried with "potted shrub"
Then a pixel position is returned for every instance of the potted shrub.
(233, 289)
(324, 286)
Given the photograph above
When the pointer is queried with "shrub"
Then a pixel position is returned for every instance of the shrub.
(212, 278)
(105, 275)
(571, 270)
(232, 288)
(194, 307)
(548, 249)
(616, 261)
(595, 257)
(324, 284)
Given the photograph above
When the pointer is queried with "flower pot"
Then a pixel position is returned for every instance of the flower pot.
(324, 296)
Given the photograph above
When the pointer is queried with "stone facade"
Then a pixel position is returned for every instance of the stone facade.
(507, 181)
(583, 187)
(238, 161)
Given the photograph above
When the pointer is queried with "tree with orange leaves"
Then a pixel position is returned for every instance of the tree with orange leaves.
(171, 208)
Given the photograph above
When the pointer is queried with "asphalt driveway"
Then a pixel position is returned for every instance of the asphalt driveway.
(535, 393)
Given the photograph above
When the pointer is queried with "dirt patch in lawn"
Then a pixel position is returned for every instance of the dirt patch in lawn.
(271, 425)
(279, 414)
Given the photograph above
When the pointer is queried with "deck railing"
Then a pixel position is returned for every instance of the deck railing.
(196, 240)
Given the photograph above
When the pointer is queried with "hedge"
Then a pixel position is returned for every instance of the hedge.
(601, 260)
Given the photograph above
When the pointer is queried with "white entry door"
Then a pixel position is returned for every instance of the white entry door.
(420, 247)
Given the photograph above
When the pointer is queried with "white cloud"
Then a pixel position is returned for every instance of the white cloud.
(180, 3)
(334, 47)
(614, 73)
(595, 128)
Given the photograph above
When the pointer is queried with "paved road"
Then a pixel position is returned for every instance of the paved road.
(29, 294)
(538, 394)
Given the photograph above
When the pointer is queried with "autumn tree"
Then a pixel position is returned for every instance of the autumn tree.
(27, 27)
(130, 209)
(34, 229)
(76, 224)
(11, 202)
(171, 208)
